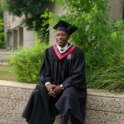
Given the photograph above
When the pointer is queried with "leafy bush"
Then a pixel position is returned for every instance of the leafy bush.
(32, 10)
(91, 18)
(105, 66)
(101, 40)
(27, 62)
(2, 43)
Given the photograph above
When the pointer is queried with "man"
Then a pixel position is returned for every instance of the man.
(62, 87)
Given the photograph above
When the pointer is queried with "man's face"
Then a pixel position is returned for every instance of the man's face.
(62, 38)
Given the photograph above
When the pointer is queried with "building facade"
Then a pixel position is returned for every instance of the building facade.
(17, 35)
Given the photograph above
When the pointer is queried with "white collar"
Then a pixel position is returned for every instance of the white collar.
(64, 48)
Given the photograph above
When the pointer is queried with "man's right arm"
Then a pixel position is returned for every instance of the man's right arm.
(45, 71)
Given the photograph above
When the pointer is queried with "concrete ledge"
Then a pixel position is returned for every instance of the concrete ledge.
(102, 107)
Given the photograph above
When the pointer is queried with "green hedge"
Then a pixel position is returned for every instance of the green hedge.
(102, 41)
(27, 62)
(105, 66)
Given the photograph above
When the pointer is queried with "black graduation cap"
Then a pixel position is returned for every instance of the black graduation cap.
(66, 27)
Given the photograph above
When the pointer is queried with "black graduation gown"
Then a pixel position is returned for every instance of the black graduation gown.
(68, 69)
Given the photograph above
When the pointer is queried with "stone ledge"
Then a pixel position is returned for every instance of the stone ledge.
(102, 107)
(17, 84)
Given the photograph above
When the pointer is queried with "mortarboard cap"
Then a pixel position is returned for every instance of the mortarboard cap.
(66, 27)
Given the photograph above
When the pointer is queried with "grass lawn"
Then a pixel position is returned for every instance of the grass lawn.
(6, 73)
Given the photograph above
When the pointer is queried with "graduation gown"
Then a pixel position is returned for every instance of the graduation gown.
(67, 68)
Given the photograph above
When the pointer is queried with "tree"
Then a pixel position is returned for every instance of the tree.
(2, 43)
(101, 40)
(91, 18)
(32, 9)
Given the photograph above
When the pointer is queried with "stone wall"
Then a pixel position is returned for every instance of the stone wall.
(102, 107)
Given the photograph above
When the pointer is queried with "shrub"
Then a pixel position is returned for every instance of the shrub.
(102, 42)
(91, 19)
(105, 65)
(32, 10)
(2, 44)
(27, 62)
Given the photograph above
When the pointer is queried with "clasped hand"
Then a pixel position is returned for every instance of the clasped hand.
(53, 90)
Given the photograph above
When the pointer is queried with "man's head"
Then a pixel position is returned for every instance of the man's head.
(62, 38)
(64, 30)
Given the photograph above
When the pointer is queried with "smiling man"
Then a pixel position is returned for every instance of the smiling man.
(62, 87)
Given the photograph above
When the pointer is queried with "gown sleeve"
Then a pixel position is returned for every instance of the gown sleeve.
(45, 72)
(77, 77)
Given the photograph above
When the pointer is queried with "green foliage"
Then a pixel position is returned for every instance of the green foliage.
(104, 68)
(2, 43)
(101, 40)
(32, 9)
(91, 19)
(105, 65)
(27, 62)
(20, 7)
(43, 32)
